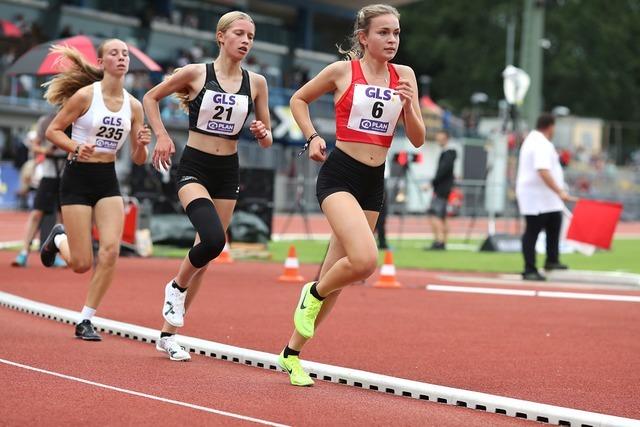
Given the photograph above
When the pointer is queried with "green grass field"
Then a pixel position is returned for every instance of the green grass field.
(623, 257)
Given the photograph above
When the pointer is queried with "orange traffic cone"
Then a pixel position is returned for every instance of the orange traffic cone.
(291, 265)
(225, 255)
(387, 273)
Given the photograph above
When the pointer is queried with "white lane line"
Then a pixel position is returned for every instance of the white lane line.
(474, 290)
(488, 403)
(597, 297)
(147, 396)
(533, 293)
(516, 280)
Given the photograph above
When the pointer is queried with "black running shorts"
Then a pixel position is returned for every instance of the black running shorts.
(220, 175)
(86, 183)
(47, 197)
(341, 172)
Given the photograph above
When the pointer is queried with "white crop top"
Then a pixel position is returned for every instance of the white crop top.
(101, 126)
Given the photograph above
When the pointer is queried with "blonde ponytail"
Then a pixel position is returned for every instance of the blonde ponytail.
(80, 74)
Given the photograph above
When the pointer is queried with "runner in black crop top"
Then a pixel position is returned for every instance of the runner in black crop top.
(218, 113)
(208, 173)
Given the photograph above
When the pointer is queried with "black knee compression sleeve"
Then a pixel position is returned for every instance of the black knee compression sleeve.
(205, 220)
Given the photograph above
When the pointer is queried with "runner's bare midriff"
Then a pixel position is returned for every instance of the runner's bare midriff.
(97, 158)
(369, 154)
(212, 144)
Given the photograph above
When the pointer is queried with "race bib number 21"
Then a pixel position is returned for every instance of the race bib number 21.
(222, 112)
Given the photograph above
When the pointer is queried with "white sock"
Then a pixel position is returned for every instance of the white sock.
(87, 313)
(59, 239)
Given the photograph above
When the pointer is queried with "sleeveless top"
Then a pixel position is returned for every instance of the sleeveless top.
(367, 113)
(218, 113)
(53, 162)
(101, 126)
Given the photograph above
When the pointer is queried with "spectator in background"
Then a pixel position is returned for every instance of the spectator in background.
(442, 184)
(191, 21)
(21, 23)
(184, 58)
(46, 200)
(6, 59)
(300, 76)
(252, 64)
(381, 224)
(26, 164)
(163, 9)
(540, 190)
(65, 32)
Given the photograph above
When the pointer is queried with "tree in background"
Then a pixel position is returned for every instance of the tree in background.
(591, 66)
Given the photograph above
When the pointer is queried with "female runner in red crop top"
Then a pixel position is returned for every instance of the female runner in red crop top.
(371, 94)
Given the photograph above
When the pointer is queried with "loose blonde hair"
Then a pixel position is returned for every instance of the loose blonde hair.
(362, 24)
(182, 96)
(229, 18)
(80, 74)
(224, 23)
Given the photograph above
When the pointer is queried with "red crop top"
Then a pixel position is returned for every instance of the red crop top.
(367, 113)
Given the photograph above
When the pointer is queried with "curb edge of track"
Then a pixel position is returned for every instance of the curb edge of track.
(484, 402)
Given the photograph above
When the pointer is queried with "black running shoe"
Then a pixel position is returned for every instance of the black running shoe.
(48, 249)
(533, 276)
(85, 331)
(436, 246)
(555, 266)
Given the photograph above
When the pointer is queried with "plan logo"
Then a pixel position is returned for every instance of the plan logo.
(106, 144)
(220, 127)
(374, 125)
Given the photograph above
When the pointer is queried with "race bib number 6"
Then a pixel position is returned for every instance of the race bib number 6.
(374, 110)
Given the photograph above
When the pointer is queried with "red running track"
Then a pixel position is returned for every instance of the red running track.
(37, 399)
(573, 353)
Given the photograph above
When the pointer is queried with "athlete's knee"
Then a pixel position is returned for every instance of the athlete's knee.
(205, 220)
(214, 244)
(80, 265)
(363, 266)
(108, 254)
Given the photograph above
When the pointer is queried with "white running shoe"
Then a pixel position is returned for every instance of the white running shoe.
(173, 349)
(173, 309)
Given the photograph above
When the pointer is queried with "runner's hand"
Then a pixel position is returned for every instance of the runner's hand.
(405, 92)
(85, 152)
(144, 136)
(162, 153)
(258, 129)
(318, 149)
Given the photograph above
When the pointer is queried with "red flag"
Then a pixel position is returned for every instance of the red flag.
(594, 222)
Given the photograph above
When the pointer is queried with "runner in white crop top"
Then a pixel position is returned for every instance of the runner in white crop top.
(103, 115)
(106, 129)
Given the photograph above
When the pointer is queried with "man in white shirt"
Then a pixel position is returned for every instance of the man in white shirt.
(540, 190)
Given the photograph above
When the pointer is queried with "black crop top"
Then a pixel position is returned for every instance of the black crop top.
(218, 113)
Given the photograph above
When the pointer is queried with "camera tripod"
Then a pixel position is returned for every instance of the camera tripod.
(299, 205)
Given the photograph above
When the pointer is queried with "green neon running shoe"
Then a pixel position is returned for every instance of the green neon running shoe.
(306, 312)
(292, 366)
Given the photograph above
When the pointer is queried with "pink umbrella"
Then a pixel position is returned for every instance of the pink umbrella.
(9, 29)
(40, 61)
